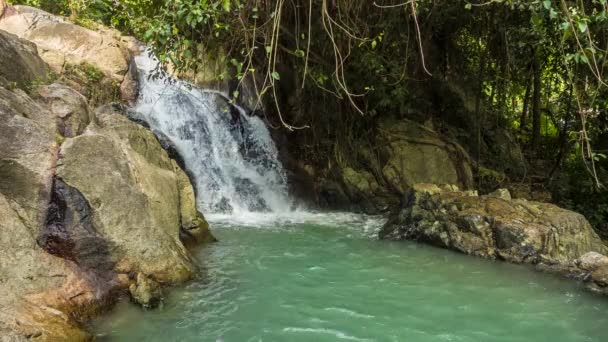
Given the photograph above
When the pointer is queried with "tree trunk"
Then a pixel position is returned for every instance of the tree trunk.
(523, 121)
(536, 104)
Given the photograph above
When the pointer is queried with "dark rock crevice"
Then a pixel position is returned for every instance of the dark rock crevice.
(69, 231)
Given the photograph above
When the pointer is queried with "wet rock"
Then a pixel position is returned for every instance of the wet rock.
(129, 88)
(194, 229)
(331, 195)
(146, 292)
(69, 231)
(600, 276)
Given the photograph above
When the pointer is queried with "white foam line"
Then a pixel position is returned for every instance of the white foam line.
(324, 331)
(349, 312)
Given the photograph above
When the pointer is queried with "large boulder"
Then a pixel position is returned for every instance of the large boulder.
(418, 154)
(61, 42)
(493, 227)
(138, 196)
(20, 64)
(404, 153)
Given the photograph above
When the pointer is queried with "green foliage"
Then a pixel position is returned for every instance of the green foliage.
(580, 193)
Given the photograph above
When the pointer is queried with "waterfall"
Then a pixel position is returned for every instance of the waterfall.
(229, 154)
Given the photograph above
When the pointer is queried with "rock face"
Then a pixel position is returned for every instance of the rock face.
(69, 108)
(492, 227)
(135, 198)
(417, 154)
(406, 153)
(20, 64)
(91, 205)
(60, 42)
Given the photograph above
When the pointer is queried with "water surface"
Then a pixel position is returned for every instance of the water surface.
(323, 278)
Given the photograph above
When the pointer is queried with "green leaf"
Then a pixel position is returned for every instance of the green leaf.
(468, 6)
(276, 76)
(582, 26)
(547, 4)
(226, 5)
(374, 43)
(552, 14)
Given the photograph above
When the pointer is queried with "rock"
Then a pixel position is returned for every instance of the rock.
(27, 155)
(331, 195)
(146, 292)
(194, 228)
(19, 63)
(69, 107)
(408, 153)
(486, 226)
(592, 261)
(138, 189)
(417, 154)
(60, 41)
(39, 291)
(84, 201)
(600, 276)
(364, 192)
(129, 88)
(501, 193)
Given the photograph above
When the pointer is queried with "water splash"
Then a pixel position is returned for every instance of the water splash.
(229, 154)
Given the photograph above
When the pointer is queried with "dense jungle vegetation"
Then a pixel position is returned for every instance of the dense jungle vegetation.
(328, 70)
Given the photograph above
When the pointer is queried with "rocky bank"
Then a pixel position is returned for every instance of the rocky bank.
(91, 205)
(495, 226)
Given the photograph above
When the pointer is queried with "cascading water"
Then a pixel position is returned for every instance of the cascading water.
(229, 154)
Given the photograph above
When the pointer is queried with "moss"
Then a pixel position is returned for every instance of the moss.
(490, 180)
(90, 81)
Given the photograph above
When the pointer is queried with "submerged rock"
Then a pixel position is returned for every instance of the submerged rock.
(146, 292)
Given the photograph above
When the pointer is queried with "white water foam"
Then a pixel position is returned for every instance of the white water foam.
(228, 153)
